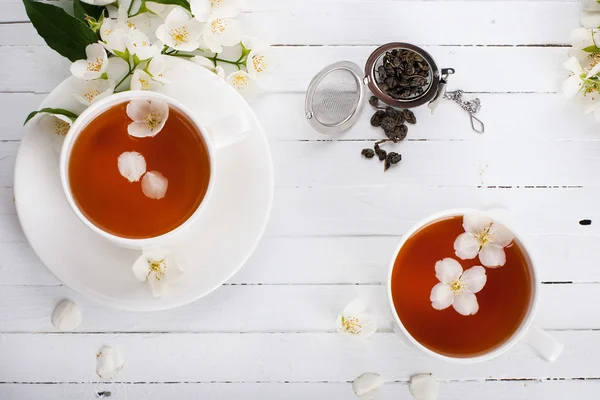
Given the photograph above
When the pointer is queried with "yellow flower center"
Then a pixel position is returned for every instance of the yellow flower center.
(484, 238)
(218, 26)
(159, 267)
(145, 86)
(180, 35)
(457, 287)
(258, 62)
(240, 81)
(61, 128)
(131, 24)
(151, 120)
(351, 324)
(107, 32)
(215, 3)
(91, 95)
(95, 65)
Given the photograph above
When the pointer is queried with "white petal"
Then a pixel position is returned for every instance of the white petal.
(156, 67)
(138, 109)
(423, 387)
(466, 303)
(158, 287)
(219, 71)
(448, 270)
(109, 362)
(178, 16)
(163, 36)
(154, 185)
(571, 86)
(466, 246)
(227, 30)
(366, 383)
(140, 80)
(475, 278)
(474, 223)
(132, 165)
(139, 130)
(581, 38)
(212, 42)
(117, 69)
(593, 72)
(492, 256)
(502, 236)
(588, 101)
(201, 9)
(573, 65)
(95, 50)
(141, 268)
(368, 325)
(441, 296)
(66, 316)
(590, 19)
(355, 307)
(78, 68)
(88, 92)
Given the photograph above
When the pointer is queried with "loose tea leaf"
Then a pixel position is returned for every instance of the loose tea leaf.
(367, 153)
(374, 101)
(410, 117)
(391, 159)
(377, 117)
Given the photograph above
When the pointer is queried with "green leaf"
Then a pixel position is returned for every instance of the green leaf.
(64, 33)
(49, 110)
(591, 49)
(181, 3)
(80, 10)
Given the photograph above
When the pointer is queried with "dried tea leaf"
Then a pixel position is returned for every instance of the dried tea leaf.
(391, 159)
(374, 101)
(367, 153)
(409, 116)
(377, 117)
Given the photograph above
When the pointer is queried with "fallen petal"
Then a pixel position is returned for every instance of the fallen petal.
(154, 185)
(423, 387)
(109, 362)
(66, 316)
(132, 165)
(366, 383)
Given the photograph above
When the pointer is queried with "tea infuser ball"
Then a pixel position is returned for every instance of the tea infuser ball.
(335, 96)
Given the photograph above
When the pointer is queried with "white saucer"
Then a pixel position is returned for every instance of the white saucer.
(221, 242)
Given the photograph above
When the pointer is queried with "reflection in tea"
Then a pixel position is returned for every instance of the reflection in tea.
(503, 302)
(106, 167)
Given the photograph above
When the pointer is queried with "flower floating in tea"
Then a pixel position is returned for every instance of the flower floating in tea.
(159, 269)
(132, 165)
(154, 185)
(354, 321)
(423, 387)
(484, 237)
(109, 362)
(94, 66)
(457, 288)
(366, 386)
(148, 117)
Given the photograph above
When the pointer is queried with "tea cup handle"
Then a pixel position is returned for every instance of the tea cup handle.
(543, 344)
(228, 130)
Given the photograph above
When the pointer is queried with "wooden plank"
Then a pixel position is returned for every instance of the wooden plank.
(265, 308)
(335, 260)
(510, 117)
(302, 357)
(491, 390)
(424, 163)
(472, 22)
(299, 64)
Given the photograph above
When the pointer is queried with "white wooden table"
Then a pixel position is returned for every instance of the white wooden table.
(269, 332)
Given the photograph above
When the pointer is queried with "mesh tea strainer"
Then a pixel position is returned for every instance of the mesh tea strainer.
(335, 96)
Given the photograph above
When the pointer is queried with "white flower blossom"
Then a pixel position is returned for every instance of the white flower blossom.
(156, 68)
(208, 64)
(113, 38)
(139, 45)
(262, 60)
(221, 31)
(203, 9)
(483, 237)
(583, 86)
(88, 92)
(140, 22)
(94, 66)
(180, 31)
(354, 321)
(159, 269)
(55, 127)
(141, 80)
(244, 83)
(457, 288)
(149, 117)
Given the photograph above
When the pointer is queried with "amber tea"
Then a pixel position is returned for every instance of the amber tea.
(138, 187)
(503, 302)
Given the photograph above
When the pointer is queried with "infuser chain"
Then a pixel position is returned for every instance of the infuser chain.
(471, 106)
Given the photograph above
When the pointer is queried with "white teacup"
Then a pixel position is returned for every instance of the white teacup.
(542, 343)
(218, 134)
